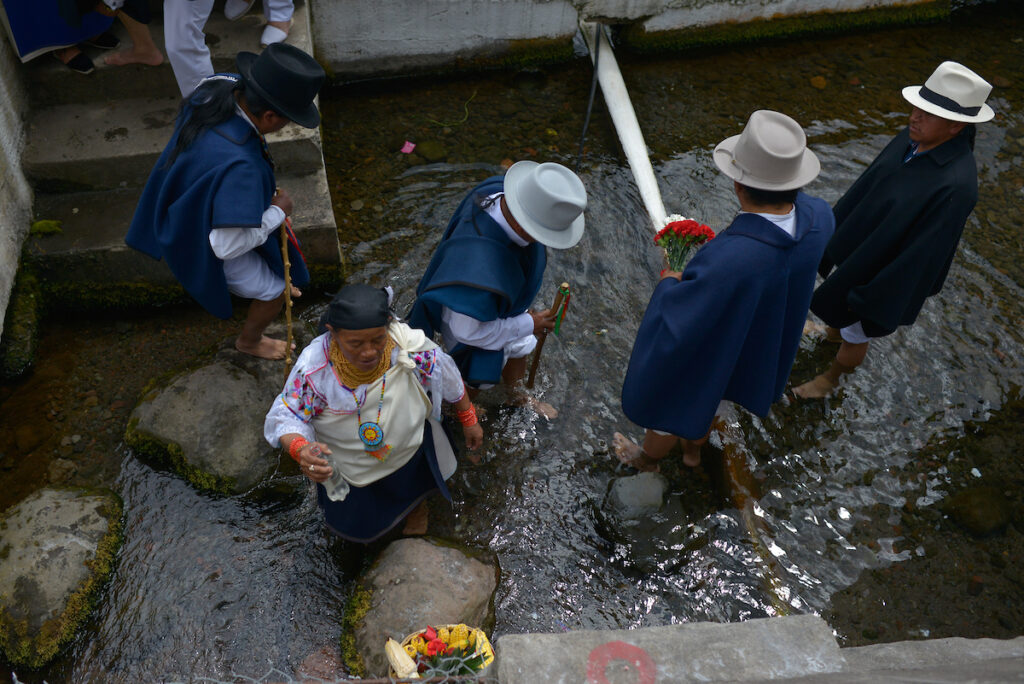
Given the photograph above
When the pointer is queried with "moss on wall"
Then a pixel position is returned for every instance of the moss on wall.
(356, 608)
(21, 326)
(636, 39)
(34, 651)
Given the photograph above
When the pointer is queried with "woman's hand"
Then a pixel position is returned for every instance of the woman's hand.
(678, 275)
(313, 465)
(474, 438)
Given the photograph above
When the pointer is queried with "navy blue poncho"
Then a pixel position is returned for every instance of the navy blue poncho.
(222, 180)
(477, 271)
(731, 327)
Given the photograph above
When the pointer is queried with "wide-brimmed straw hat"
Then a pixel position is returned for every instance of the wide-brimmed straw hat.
(287, 78)
(953, 92)
(547, 200)
(770, 154)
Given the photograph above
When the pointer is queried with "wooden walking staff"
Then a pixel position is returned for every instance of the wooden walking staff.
(286, 226)
(557, 310)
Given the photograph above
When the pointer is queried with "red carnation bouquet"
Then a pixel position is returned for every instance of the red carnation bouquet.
(679, 238)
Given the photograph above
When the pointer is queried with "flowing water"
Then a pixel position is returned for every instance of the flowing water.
(217, 587)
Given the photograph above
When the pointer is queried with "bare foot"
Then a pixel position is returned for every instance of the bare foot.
(135, 56)
(691, 458)
(830, 334)
(266, 348)
(630, 453)
(817, 388)
(416, 522)
(543, 408)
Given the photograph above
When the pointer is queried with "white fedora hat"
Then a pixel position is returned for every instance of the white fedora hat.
(953, 92)
(770, 154)
(547, 200)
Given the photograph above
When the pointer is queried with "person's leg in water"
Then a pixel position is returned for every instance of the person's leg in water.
(513, 372)
(656, 446)
(849, 356)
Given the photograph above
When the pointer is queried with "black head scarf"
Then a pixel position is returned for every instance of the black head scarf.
(358, 307)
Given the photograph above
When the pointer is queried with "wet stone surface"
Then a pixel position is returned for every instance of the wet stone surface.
(961, 575)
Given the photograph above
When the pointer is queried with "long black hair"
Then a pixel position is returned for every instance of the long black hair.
(211, 104)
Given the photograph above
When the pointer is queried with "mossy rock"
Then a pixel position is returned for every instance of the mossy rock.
(356, 608)
(48, 591)
(206, 422)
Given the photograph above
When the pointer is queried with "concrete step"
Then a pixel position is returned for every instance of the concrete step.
(89, 263)
(755, 650)
(50, 83)
(113, 145)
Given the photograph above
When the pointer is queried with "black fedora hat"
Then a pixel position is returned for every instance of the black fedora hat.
(287, 78)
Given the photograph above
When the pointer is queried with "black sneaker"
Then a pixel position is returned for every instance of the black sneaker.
(104, 41)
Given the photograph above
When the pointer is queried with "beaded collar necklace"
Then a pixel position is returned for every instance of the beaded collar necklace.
(371, 434)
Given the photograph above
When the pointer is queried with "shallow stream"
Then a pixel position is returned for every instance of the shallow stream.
(217, 587)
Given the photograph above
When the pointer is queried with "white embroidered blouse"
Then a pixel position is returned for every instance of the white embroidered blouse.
(313, 388)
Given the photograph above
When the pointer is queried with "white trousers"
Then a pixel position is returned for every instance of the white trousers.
(249, 277)
(278, 10)
(854, 334)
(184, 21)
(185, 41)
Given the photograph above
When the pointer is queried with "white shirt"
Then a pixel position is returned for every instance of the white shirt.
(786, 222)
(499, 333)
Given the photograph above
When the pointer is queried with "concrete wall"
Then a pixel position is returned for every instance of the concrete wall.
(366, 38)
(15, 193)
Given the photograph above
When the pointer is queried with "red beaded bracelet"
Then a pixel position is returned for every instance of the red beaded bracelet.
(467, 417)
(296, 446)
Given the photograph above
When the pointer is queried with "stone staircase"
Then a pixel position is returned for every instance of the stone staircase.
(92, 141)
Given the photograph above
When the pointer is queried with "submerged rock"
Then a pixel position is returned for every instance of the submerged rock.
(432, 151)
(979, 510)
(207, 422)
(413, 584)
(637, 495)
(58, 548)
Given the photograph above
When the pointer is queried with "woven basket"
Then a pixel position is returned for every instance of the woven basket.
(483, 645)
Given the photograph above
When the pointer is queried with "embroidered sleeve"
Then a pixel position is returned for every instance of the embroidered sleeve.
(292, 410)
(452, 387)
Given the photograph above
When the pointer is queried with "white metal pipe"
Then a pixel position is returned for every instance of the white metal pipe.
(624, 118)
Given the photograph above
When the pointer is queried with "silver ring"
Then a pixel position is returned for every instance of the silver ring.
(312, 467)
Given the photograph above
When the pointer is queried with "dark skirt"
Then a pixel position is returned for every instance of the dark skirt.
(367, 513)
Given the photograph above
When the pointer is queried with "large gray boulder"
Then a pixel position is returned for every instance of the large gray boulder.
(413, 584)
(58, 548)
(206, 422)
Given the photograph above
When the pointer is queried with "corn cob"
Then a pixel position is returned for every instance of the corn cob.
(401, 663)
(460, 637)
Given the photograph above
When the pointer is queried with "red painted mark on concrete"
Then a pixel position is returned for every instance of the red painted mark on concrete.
(604, 654)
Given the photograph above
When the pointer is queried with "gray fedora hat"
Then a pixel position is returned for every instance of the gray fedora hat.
(547, 200)
(953, 92)
(770, 154)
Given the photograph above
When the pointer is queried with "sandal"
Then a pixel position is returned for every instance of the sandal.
(80, 62)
